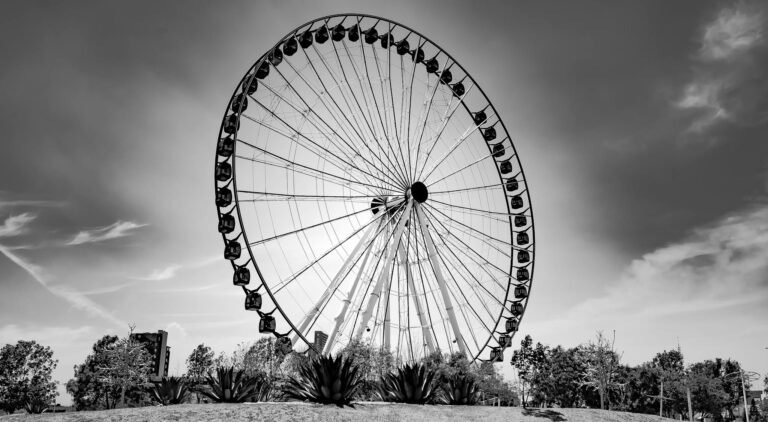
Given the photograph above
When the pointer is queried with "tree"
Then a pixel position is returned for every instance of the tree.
(127, 365)
(670, 371)
(25, 375)
(602, 363)
(264, 358)
(559, 381)
(372, 364)
(87, 388)
(529, 362)
(200, 362)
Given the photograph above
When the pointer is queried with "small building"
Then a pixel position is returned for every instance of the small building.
(320, 339)
(157, 346)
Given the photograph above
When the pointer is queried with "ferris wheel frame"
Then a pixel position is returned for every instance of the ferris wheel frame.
(516, 307)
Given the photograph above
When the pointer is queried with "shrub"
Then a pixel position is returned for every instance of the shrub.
(412, 383)
(173, 390)
(325, 380)
(234, 387)
(460, 389)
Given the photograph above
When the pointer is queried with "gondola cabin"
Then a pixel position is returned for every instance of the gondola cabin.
(505, 167)
(371, 35)
(225, 147)
(232, 124)
(338, 32)
(516, 202)
(479, 117)
(522, 274)
(305, 39)
(446, 77)
(512, 184)
(432, 65)
(516, 309)
(353, 33)
(263, 70)
(387, 40)
(275, 57)
(497, 354)
(252, 301)
(511, 325)
(458, 89)
(322, 35)
(505, 341)
(267, 324)
(522, 238)
(226, 223)
(232, 250)
(489, 134)
(521, 221)
(523, 257)
(521, 292)
(223, 172)
(498, 150)
(239, 103)
(241, 276)
(403, 47)
(290, 46)
(223, 197)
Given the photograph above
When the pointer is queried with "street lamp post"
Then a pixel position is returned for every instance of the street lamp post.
(749, 375)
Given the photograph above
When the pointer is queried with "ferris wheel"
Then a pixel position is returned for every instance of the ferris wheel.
(367, 189)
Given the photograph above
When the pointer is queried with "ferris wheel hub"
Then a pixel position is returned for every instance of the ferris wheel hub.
(419, 192)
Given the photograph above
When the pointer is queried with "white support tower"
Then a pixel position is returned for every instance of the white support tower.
(435, 261)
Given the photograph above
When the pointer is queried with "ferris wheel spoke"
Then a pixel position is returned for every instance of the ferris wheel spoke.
(375, 295)
(407, 135)
(301, 135)
(319, 96)
(328, 69)
(294, 276)
(269, 239)
(310, 318)
(479, 211)
(431, 254)
(322, 59)
(309, 168)
(493, 186)
(371, 166)
(443, 125)
(469, 271)
(384, 105)
(469, 131)
(472, 231)
(400, 165)
(424, 117)
(478, 254)
(458, 302)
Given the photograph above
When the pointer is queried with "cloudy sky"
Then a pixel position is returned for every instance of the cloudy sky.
(638, 124)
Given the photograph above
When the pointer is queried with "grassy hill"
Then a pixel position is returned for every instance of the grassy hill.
(368, 412)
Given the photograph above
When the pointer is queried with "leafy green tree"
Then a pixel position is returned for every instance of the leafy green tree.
(601, 369)
(127, 366)
(199, 362)
(25, 376)
(670, 372)
(559, 380)
(372, 365)
(529, 362)
(87, 388)
(263, 358)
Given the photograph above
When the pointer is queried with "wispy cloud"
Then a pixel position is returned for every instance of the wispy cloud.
(162, 273)
(75, 298)
(29, 203)
(113, 231)
(15, 224)
(716, 267)
(730, 83)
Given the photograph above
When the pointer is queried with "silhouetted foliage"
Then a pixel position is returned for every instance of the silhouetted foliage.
(412, 383)
(325, 380)
(173, 390)
(230, 386)
(460, 390)
(25, 377)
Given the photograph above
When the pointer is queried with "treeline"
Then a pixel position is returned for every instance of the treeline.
(592, 375)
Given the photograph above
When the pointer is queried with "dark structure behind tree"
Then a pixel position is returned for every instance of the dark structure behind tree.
(157, 346)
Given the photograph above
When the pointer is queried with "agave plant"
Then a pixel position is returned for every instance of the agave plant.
(230, 386)
(325, 380)
(36, 406)
(411, 383)
(461, 389)
(173, 390)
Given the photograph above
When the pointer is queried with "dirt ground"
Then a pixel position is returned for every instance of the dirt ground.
(368, 412)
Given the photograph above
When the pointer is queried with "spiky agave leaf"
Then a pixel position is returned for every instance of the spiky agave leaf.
(232, 387)
(325, 380)
(461, 389)
(412, 383)
(173, 390)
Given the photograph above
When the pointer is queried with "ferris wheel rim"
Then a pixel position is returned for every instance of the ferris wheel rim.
(250, 74)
